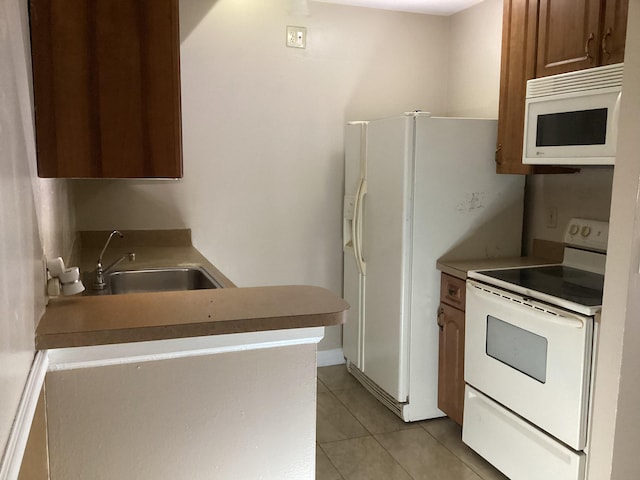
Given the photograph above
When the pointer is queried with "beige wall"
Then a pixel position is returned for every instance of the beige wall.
(474, 72)
(262, 128)
(586, 194)
(248, 414)
(263, 133)
(616, 418)
(474, 66)
(34, 215)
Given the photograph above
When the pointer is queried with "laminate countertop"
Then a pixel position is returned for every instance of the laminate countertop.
(85, 320)
(544, 253)
(461, 268)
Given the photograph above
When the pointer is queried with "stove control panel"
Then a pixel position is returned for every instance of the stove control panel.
(585, 233)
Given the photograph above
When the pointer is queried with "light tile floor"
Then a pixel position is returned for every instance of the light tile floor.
(360, 439)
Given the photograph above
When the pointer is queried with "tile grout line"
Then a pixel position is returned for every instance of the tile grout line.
(370, 434)
(318, 444)
(329, 458)
(419, 424)
(350, 412)
(354, 414)
(454, 453)
(394, 458)
(332, 392)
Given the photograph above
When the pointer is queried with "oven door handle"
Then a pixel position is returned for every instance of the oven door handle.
(488, 294)
(563, 321)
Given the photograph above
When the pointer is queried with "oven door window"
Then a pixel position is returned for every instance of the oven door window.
(517, 348)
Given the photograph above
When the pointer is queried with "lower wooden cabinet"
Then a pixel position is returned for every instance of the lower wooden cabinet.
(451, 321)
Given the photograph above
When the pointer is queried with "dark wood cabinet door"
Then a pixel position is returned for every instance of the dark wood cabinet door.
(519, 25)
(614, 31)
(518, 64)
(107, 88)
(451, 362)
(568, 36)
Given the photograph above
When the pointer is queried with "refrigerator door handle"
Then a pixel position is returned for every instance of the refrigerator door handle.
(356, 226)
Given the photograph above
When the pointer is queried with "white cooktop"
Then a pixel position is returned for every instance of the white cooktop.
(576, 284)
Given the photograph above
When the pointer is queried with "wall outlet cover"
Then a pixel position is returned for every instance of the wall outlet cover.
(296, 37)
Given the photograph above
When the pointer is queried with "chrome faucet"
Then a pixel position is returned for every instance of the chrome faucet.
(99, 283)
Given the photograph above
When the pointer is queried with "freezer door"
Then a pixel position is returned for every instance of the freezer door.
(353, 281)
(386, 252)
(352, 330)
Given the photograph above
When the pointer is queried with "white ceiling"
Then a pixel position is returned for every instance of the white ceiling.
(432, 7)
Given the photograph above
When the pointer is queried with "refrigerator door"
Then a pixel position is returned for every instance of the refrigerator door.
(386, 251)
(431, 193)
(353, 279)
(462, 209)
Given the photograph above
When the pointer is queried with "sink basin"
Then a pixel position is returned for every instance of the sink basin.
(160, 280)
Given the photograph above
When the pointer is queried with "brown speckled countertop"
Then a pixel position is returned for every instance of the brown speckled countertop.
(153, 249)
(98, 320)
(544, 253)
(460, 268)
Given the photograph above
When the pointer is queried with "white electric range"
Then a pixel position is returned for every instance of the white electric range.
(529, 351)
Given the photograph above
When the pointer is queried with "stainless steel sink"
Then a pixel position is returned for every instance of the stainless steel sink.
(159, 280)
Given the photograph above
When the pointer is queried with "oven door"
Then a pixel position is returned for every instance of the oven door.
(530, 357)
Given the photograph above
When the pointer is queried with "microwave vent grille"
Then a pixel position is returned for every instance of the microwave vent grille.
(609, 76)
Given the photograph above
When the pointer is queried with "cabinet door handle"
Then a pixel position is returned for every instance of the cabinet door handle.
(587, 53)
(604, 43)
(499, 154)
(441, 318)
(453, 291)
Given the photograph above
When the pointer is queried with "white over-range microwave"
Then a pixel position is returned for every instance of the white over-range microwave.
(572, 118)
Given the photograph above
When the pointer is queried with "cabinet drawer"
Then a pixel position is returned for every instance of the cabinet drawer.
(452, 291)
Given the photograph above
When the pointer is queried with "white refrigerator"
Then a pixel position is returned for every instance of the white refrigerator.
(417, 188)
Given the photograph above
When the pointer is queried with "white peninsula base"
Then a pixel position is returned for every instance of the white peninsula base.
(241, 406)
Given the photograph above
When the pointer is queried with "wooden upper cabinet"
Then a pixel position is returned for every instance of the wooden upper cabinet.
(546, 37)
(614, 31)
(517, 66)
(107, 88)
(578, 34)
(568, 36)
